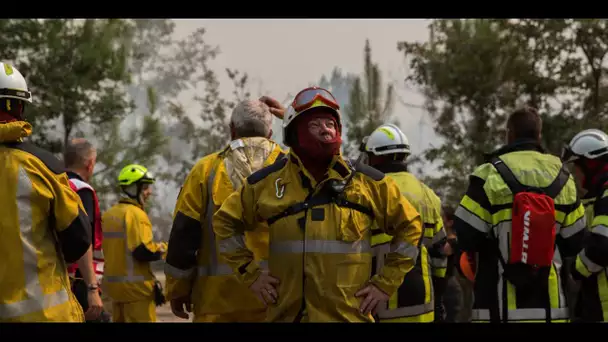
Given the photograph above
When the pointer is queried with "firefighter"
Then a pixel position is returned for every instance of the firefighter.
(194, 271)
(129, 250)
(44, 226)
(320, 213)
(588, 153)
(386, 150)
(519, 275)
(79, 159)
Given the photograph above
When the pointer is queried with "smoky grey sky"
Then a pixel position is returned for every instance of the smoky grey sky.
(283, 56)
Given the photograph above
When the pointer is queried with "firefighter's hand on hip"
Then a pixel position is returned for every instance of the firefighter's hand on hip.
(373, 296)
(265, 288)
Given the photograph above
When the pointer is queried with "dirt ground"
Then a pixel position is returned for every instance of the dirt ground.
(163, 313)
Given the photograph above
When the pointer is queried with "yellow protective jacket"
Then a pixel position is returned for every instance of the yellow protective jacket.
(128, 249)
(193, 266)
(415, 299)
(591, 265)
(40, 213)
(486, 208)
(320, 239)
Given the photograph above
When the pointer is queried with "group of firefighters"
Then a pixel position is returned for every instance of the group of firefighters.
(303, 235)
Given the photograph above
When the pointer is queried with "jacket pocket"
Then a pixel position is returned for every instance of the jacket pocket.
(354, 225)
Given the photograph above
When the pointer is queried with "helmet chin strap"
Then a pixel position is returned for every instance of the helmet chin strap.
(137, 196)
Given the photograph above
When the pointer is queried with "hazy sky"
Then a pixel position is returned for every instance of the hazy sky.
(283, 56)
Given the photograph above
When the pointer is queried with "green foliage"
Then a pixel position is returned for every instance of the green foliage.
(369, 106)
(474, 72)
(121, 84)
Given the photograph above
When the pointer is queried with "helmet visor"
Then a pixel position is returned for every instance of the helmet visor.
(16, 94)
(308, 96)
(568, 155)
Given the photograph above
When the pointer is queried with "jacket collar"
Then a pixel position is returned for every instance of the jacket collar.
(391, 167)
(72, 175)
(131, 201)
(14, 131)
(338, 169)
(517, 145)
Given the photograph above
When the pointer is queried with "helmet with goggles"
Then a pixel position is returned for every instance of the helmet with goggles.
(305, 100)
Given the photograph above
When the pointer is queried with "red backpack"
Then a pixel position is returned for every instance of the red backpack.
(533, 225)
(533, 231)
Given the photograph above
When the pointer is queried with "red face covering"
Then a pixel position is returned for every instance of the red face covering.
(4, 117)
(314, 153)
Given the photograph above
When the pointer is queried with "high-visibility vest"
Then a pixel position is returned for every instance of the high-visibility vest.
(98, 259)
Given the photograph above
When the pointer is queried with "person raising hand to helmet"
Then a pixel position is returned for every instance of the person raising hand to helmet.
(129, 250)
(320, 213)
(44, 226)
(588, 153)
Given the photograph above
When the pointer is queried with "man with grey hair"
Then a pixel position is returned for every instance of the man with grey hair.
(79, 159)
(195, 275)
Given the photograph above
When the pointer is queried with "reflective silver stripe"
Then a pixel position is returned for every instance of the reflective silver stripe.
(124, 279)
(98, 254)
(574, 228)
(130, 268)
(232, 244)
(406, 249)
(113, 235)
(439, 262)
(225, 269)
(218, 270)
(24, 307)
(591, 266)
(407, 311)
(600, 230)
(440, 235)
(472, 219)
(320, 246)
(80, 184)
(522, 314)
(503, 231)
(36, 300)
(178, 273)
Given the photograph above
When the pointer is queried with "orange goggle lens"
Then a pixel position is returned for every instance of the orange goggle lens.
(308, 96)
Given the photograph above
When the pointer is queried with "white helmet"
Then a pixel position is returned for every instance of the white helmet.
(590, 144)
(12, 84)
(386, 139)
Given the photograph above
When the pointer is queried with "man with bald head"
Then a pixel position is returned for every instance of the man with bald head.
(79, 158)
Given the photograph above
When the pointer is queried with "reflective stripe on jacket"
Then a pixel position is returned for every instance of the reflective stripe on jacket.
(40, 213)
(592, 263)
(129, 249)
(211, 283)
(414, 300)
(487, 206)
(320, 244)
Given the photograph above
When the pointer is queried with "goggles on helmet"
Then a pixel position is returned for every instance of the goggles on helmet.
(567, 155)
(305, 99)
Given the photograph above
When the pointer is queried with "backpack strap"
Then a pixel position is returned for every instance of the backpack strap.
(515, 186)
(558, 183)
(507, 176)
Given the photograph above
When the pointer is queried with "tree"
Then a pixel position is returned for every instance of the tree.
(474, 72)
(340, 85)
(76, 70)
(368, 105)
